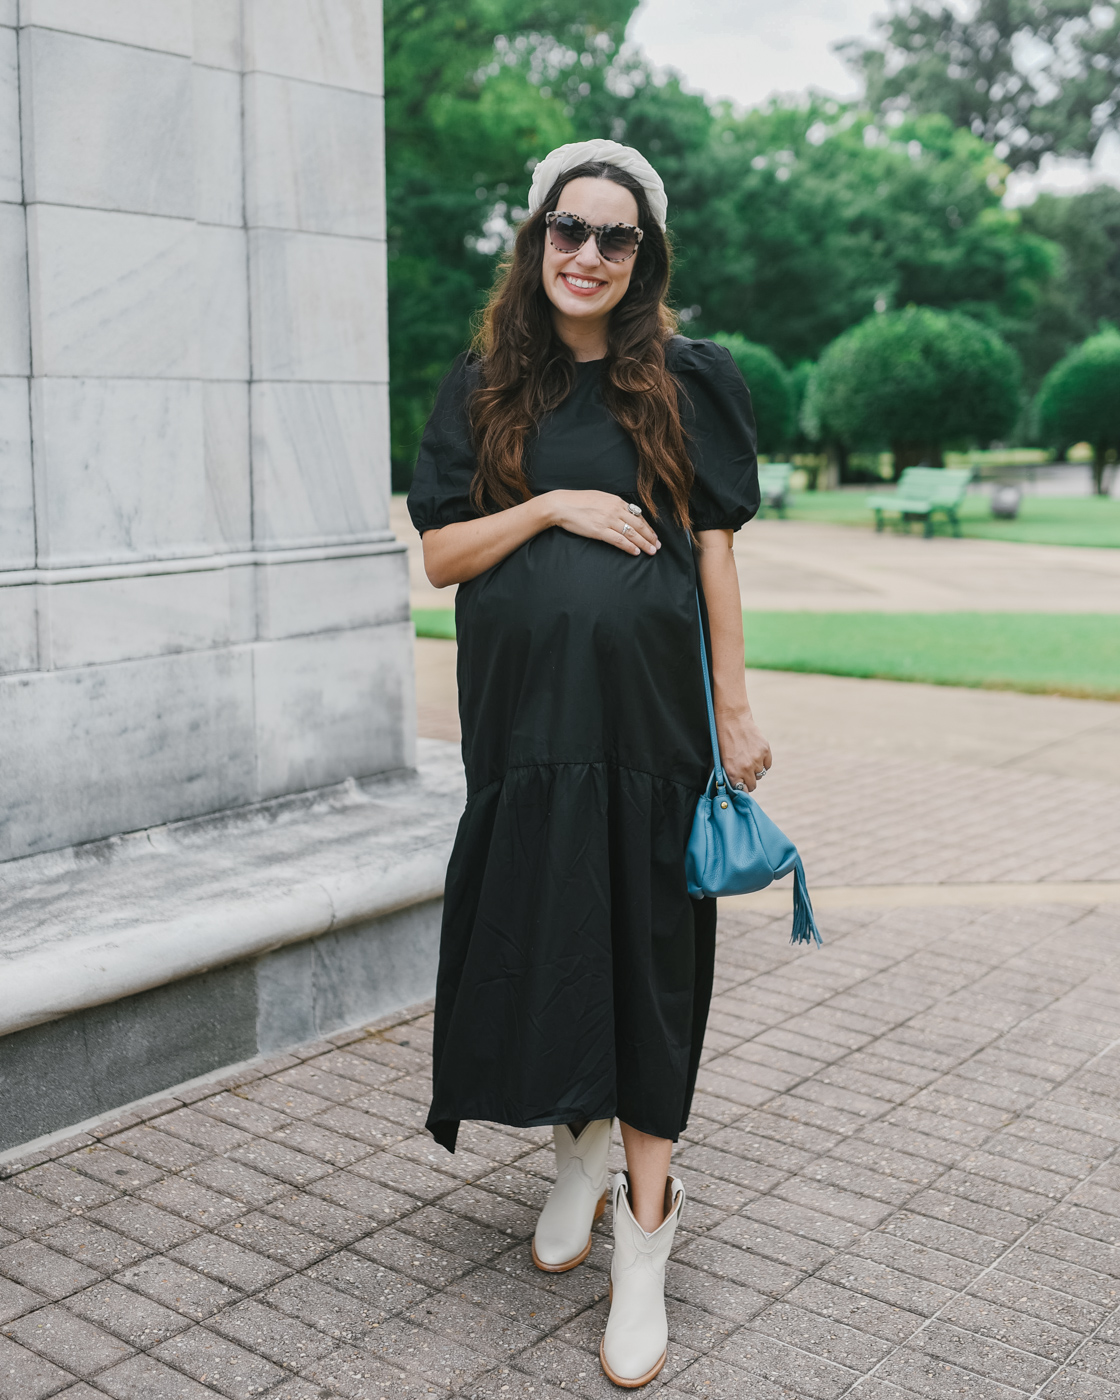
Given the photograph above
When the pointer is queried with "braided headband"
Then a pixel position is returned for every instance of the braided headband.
(578, 153)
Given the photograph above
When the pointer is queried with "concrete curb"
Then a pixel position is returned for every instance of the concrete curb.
(201, 896)
(41, 986)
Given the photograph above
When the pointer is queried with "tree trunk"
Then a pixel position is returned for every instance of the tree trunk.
(915, 454)
(838, 462)
(1099, 450)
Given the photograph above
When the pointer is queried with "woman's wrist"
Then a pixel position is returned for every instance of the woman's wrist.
(545, 510)
(730, 710)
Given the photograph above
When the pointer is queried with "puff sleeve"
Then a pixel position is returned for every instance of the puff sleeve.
(717, 416)
(445, 464)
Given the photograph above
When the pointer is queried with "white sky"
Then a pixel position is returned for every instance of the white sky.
(748, 50)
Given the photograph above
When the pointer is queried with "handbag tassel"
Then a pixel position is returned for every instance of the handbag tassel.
(804, 924)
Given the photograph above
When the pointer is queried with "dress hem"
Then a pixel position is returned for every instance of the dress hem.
(600, 762)
(446, 1130)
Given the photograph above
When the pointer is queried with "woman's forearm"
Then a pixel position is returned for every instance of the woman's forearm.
(468, 548)
(744, 750)
(463, 551)
(720, 582)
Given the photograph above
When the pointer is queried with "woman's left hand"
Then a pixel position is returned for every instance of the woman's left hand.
(743, 748)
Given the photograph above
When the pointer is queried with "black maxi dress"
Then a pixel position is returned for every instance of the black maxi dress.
(575, 972)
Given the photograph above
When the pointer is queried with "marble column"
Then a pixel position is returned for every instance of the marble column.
(201, 603)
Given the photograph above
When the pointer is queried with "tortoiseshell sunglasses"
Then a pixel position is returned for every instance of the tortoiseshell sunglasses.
(615, 242)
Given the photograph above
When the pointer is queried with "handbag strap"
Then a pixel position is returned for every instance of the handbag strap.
(717, 762)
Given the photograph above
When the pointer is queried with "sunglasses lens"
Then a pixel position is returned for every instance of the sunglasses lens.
(568, 233)
(618, 243)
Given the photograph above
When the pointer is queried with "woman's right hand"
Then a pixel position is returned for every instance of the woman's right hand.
(597, 515)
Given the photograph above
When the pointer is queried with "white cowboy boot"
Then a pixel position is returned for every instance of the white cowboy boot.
(633, 1348)
(563, 1235)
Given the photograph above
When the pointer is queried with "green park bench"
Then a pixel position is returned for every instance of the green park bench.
(921, 493)
(773, 485)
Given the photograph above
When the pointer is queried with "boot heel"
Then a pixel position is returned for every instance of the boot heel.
(566, 1265)
(601, 1207)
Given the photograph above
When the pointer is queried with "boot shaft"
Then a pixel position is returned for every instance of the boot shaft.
(633, 1247)
(634, 1345)
(586, 1154)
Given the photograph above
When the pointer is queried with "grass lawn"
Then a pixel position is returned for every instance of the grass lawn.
(435, 622)
(1076, 520)
(1053, 653)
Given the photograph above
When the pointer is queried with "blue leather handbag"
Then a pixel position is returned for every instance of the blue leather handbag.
(734, 847)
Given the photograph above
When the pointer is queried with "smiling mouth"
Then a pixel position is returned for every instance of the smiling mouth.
(582, 285)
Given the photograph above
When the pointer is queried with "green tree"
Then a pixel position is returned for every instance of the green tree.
(799, 378)
(1086, 290)
(1028, 76)
(790, 223)
(816, 433)
(1080, 399)
(474, 94)
(795, 222)
(771, 394)
(918, 380)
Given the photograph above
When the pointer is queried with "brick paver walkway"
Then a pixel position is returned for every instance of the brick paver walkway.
(902, 1174)
(907, 821)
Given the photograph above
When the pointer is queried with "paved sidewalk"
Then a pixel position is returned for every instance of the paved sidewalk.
(796, 565)
(902, 1170)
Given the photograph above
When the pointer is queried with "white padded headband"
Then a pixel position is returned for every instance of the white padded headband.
(577, 153)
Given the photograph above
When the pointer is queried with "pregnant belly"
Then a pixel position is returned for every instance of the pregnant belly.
(572, 650)
(567, 585)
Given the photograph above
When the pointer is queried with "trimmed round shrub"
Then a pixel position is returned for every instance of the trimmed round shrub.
(917, 380)
(769, 384)
(1080, 399)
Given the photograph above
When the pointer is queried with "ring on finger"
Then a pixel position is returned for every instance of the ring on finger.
(627, 529)
(761, 774)
(633, 509)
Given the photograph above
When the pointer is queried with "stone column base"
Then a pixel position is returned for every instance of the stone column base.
(138, 963)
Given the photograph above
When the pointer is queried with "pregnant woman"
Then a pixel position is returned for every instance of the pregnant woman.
(582, 473)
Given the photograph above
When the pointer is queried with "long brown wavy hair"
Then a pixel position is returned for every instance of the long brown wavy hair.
(526, 370)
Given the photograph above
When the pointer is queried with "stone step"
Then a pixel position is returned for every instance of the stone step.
(132, 964)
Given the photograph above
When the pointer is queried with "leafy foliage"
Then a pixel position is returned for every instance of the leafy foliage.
(800, 377)
(474, 93)
(791, 222)
(771, 394)
(1080, 399)
(1086, 291)
(917, 379)
(814, 216)
(1028, 76)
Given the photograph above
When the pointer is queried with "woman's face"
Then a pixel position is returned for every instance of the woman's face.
(582, 284)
